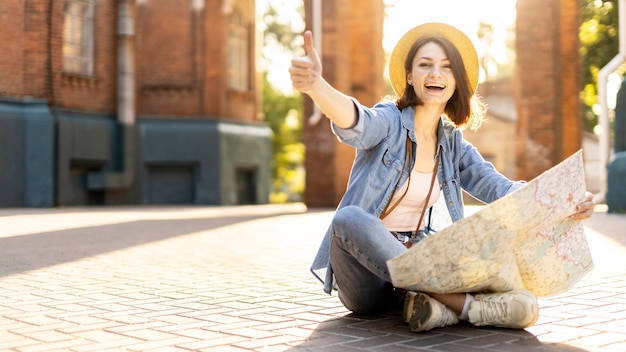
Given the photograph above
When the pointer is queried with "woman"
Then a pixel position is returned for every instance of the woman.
(410, 154)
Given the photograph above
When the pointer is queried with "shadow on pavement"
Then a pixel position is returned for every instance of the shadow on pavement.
(388, 333)
(29, 252)
(609, 224)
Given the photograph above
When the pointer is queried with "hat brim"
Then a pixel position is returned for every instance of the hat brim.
(397, 74)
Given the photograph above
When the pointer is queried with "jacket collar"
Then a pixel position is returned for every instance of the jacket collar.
(409, 124)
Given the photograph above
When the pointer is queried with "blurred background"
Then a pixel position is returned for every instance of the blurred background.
(115, 102)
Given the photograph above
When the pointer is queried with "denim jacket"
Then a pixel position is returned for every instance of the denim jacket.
(379, 138)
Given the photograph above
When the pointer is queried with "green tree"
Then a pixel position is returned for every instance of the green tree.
(599, 44)
(283, 112)
(493, 67)
(280, 33)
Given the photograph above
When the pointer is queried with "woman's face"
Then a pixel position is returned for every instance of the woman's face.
(431, 75)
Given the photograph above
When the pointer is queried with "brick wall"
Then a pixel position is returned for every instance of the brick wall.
(166, 56)
(12, 39)
(64, 136)
(182, 66)
(36, 38)
(353, 60)
(180, 59)
(547, 83)
(32, 61)
(571, 73)
(98, 92)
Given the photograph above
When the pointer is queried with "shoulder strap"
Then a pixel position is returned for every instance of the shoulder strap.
(409, 156)
(430, 191)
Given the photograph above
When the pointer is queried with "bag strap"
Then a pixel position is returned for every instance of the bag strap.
(430, 191)
(409, 156)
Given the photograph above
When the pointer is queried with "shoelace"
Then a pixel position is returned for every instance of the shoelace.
(449, 318)
(494, 311)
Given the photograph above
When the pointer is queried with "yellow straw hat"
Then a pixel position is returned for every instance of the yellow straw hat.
(397, 74)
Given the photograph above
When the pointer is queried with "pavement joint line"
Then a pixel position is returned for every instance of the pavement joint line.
(160, 288)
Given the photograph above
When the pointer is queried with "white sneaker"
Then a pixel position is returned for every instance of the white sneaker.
(515, 309)
(423, 312)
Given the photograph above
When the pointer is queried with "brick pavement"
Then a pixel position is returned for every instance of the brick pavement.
(236, 279)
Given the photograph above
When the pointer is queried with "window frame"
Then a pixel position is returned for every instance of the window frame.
(238, 60)
(79, 37)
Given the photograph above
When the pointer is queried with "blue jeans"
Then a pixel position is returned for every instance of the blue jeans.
(360, 246)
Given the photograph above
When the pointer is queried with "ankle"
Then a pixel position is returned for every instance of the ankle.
(464, 313)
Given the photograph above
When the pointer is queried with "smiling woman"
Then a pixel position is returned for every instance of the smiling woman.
(381, 212)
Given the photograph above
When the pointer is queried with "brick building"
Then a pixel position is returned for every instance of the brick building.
(131, 102)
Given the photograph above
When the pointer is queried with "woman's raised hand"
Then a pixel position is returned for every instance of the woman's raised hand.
(306, 71)
(306, 76)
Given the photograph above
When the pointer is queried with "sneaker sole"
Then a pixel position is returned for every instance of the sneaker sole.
(408, 307)
(422, 312)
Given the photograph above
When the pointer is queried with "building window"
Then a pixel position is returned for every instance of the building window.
(238, 53)
(78, 37)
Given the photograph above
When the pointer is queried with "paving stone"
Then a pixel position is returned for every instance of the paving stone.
(168, 344)
(601, 339)
(63, 345)
(379, 341)
(165, 279)
(434, 341)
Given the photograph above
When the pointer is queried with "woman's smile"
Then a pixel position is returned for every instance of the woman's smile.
(432, 69)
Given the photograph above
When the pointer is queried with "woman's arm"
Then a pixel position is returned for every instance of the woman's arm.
(479, 177)
(489, 182)
(306, 76)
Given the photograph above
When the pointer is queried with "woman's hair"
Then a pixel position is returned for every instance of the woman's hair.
(464, 108)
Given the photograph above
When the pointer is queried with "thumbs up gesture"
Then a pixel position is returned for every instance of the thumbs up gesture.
(306, 76)
(306, 71)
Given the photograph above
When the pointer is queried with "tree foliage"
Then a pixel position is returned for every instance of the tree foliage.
(494, 67)
(599, 44)
(278, 33)
(283, 114)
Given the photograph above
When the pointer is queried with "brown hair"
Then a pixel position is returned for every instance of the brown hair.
(463, 108)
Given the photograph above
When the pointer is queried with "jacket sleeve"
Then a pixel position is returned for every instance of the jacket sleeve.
(479, 177)
(372, 126)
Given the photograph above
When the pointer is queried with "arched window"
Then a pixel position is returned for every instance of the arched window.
(238, 52)
(78, 37)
